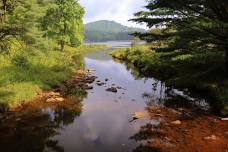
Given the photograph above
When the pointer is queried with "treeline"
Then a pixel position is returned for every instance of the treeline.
(99, 36)
(40, 23)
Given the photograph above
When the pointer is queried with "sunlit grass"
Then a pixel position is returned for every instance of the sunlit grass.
(25, 72)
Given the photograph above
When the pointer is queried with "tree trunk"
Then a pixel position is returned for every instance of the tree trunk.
(62, 44)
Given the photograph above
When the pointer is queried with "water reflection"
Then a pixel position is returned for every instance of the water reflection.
(33, 129)
(95, 120)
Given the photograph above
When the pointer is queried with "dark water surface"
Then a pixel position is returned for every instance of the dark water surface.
(102, 123)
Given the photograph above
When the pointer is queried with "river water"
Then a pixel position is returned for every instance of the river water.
(103, 123)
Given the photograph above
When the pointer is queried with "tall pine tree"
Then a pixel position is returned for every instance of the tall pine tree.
(191, 24)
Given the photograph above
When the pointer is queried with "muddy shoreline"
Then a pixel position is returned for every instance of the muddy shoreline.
(188, 130)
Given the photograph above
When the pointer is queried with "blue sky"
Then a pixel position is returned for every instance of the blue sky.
(117, 10)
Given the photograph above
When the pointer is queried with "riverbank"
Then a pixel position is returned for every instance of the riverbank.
(28, 71)
(201, 73)
(33, 120)
(181, 129)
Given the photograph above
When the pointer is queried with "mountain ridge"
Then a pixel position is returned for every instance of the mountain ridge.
(106, 30)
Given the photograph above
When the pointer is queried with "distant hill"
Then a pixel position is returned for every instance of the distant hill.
(105, 30)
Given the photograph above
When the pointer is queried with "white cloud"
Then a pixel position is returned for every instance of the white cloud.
(117, 10)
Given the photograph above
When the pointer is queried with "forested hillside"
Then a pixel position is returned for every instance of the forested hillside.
(105, 30)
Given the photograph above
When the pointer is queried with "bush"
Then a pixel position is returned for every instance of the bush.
(20, 61)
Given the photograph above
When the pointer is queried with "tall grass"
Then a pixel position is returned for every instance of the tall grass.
(27, 71)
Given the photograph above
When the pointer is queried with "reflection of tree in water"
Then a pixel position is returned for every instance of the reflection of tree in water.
(33, 129)
(157, 95)
(172, 98)
(166, 95)
(145, 134)
(144, 148)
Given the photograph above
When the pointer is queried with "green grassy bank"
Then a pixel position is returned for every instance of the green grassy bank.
(202, 72)
(27, 70)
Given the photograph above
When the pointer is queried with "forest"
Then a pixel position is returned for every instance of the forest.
(105, 30)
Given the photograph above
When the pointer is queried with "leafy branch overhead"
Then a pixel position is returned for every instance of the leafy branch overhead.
(192, 24)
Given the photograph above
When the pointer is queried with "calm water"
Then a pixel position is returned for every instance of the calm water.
(102, 123)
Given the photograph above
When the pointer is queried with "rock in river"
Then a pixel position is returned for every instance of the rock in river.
(138, 115)
(100, 83)
(212, 137)
(112, 89)
(177, 122)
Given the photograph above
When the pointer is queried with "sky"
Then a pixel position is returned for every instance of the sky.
(116, 10)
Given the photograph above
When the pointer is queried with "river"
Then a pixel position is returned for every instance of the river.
(103, 124)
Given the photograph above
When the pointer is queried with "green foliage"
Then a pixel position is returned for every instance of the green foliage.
(202, 73)
(135, 41)
(63, 22)
(190, 45)
(108, 30)
(187, 25)
(24, 72)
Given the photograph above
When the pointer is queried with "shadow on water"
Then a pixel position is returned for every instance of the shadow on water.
(146, 133)
(168, 96)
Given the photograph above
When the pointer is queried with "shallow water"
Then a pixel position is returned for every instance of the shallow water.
(103, 125)
(103, 122)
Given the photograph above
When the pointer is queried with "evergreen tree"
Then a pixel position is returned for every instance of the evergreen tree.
(191, 25)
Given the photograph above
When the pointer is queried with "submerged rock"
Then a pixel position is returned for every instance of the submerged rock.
(52, 100)
(224, 119)
(60, 99)
(138, 115)
(87, 87)
(90, 70)
(177, 122)
(112, 89)
(100, 83)
(119, 87)
(212, 137)
(54, 94)
(90, 79)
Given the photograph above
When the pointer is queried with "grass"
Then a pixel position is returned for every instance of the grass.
(27, 71)
(200, 72)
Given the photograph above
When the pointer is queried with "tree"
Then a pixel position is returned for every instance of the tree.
(63, 22)
(20, 20)
(192, 25)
